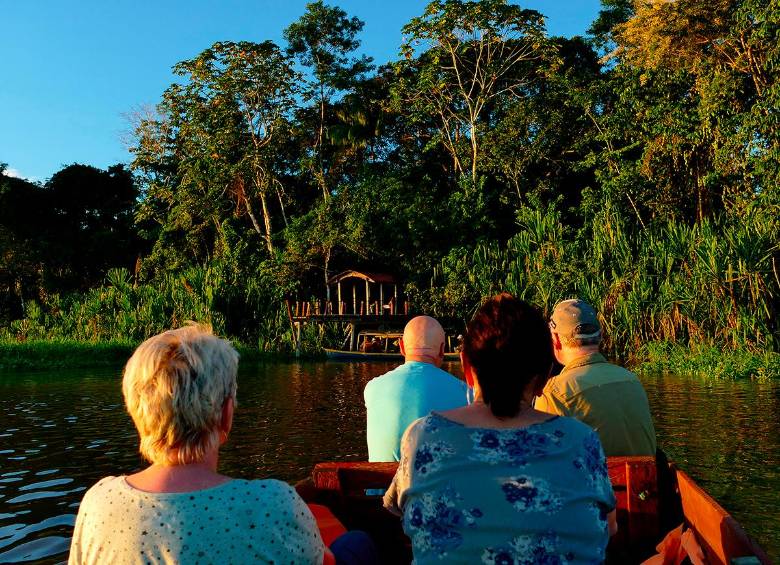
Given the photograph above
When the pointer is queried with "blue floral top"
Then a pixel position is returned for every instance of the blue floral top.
(539, 494)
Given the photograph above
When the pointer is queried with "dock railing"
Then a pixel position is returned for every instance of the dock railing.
(333, 310)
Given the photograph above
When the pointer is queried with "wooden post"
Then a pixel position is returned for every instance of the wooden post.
(339, 291)
(354, 299)
(368, 300)
(297, 339)
(381, 298)
(395, 299)
(352, 337)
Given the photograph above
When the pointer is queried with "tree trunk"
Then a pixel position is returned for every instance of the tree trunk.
(281, 203)
(327, 262)
(251, 214)
(267, 222)
(321, 134)
(473, 128)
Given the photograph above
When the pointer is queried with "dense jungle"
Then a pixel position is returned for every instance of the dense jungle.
(637, 167)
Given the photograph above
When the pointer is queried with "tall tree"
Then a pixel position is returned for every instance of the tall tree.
(23, 211)
(220, 124)
(92, 226)
(466, 56)
(323, 41)
(699, 78)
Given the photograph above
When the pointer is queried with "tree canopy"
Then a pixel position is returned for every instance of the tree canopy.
(489, 155)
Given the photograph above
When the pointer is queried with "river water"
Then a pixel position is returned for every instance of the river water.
(62, 431)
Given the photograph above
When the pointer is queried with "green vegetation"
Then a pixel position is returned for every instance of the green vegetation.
(704, 284)
(52, 354)
(71, 354)
(709, 362)
(637, 168)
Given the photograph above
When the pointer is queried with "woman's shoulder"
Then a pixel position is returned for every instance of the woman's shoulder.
(106, 486)
(265, 488)
(432, 424)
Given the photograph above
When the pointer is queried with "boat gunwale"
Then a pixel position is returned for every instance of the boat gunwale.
(654, 497)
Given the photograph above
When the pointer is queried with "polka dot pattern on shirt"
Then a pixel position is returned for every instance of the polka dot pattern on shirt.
(240, 521)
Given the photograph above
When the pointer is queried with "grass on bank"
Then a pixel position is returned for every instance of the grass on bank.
(708, 362)
(62, 354)
(71, 354)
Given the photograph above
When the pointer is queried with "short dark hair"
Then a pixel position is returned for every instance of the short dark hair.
(507, 343)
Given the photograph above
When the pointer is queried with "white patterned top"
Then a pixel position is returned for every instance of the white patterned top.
(263, 521)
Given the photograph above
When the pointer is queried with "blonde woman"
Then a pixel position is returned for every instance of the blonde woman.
(180, 390)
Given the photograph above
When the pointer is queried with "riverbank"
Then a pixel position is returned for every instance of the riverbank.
(658, 357)
(707, 362)
(38, 355)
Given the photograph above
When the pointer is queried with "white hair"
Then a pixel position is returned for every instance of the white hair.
(175, 385)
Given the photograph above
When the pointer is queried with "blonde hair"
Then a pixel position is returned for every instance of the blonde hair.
(175, 385)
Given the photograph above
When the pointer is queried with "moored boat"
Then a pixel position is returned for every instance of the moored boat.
(659, 508)
(342, 355)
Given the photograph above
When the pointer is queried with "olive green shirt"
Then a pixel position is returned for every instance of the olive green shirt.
(610, 399)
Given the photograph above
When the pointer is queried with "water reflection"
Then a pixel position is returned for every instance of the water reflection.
(63, 431)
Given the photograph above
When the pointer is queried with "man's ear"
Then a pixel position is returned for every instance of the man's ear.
(468, 370)
(401, 346)
(556, 341)
(441, 350)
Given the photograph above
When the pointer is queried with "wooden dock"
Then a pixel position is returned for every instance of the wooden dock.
(360, 300)
(369, 305)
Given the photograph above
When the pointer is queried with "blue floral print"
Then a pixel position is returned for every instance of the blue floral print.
(592, 461)
(513, 446)
(539, 494)
(432, 425)
(430, 456)
(435, 522)
(528, 550)
(528, 494)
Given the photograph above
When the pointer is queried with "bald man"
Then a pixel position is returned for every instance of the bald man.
(397, 398)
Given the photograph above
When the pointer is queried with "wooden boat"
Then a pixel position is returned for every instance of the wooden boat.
(342, 355)
(386, 348)
(655, 498)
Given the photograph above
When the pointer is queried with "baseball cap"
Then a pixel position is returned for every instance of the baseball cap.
(575, 319)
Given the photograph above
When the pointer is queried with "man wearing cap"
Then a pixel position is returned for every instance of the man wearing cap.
(610, 399)
(408, 392)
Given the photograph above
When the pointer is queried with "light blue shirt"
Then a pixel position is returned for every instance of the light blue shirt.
(397, 398)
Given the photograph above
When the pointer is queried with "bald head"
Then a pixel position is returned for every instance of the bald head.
(423, 340)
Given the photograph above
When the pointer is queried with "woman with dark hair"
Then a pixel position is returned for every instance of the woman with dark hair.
(497, 481)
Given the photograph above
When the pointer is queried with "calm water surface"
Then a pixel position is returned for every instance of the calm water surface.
(62, 431)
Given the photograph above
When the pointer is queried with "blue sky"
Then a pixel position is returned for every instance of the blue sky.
(71, 69)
